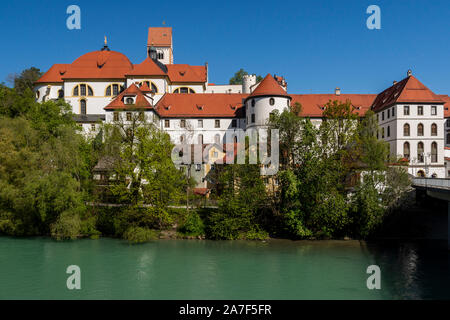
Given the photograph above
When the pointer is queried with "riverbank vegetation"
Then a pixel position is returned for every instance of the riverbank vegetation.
(335, 180)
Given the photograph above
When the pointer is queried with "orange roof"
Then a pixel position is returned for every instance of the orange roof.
(148, 67)
(54, 74)
(186, 73)
(202, 105)
(269, 87)
(312, 104)
(99, 65)
(409, 90)
(133, 90)
(145, 88)
(159, 36)
(446, 99)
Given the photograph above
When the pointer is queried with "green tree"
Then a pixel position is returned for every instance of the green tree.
(239, 76)
(26, 79)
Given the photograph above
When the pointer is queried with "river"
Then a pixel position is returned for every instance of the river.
(35, 268)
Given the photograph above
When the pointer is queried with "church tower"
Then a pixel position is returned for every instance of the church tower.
(160, 40)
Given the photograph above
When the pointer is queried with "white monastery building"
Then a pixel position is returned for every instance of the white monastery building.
(104, 85)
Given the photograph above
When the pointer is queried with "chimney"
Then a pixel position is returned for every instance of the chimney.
(337, 91)
(409, 73)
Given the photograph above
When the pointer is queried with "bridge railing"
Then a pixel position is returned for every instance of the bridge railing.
(432, 182)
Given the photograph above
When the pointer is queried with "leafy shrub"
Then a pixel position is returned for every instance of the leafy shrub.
(256, 235)
(67, 226)
(193, 225)
(140, 235)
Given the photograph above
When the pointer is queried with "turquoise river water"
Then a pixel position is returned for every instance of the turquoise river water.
(35, 268)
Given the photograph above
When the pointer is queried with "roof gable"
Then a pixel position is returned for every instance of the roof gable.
(269, 87)
(141, 101)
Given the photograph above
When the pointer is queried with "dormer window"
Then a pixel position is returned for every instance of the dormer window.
(129, 100)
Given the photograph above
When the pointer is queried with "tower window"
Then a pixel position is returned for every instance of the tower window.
(166, 123)
(253, 118)
(406, 110)
(420, 110)
(233, 123)
(217, 124)
(272, 101)
(160, 55)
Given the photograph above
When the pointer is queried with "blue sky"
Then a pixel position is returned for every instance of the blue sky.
(316, 45)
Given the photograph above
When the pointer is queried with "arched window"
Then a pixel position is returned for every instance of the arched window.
(160, 55)
(272, 101)
(406, 132)
(420, 129)
(60, 93)
(434, 152)
(406, 152)
(217, 138)
(150, 84)
(129, 100)
(420, 154)
(253, 102)
(182, 138)
(434, 129)
(114, 89)
(200, 139)
(82, 106)
(183, 90)
(82, 90)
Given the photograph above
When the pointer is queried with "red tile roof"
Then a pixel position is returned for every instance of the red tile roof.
(446, 99)
(409, 90)
(145, 88)
(99, 65)
(202, 105)
(54, 74)
(269, 87)
(159, 36)
(148, 67)
(312, 104)
(133, 90)
(186, 73)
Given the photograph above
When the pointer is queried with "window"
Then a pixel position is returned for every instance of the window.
(393, 111)
(217, 138)
(448, 138)
(116, 116)
(183, 90)
(217, 124)
(389, 113)
(37, 94)
(60, 93)
(200, 123)
(388, 131)
(406, 151)
(253, 118)
(420, 129)
(448, 123)
(233, 123)
(182, 123)
(272, 101)
(93, 126)
(198, 167)
(406, 130)
(129, 100)
(82, 106)
(420, 110)
(253, 102)
(382, 116)
(81, 90)
(406, 110)
(150, 84)
(382, 133)
(166, 123)
(434, 153)
(434, 129)
(200, 139)
(420, 152)
(114, 88)
(433, 110)
(128, 116)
